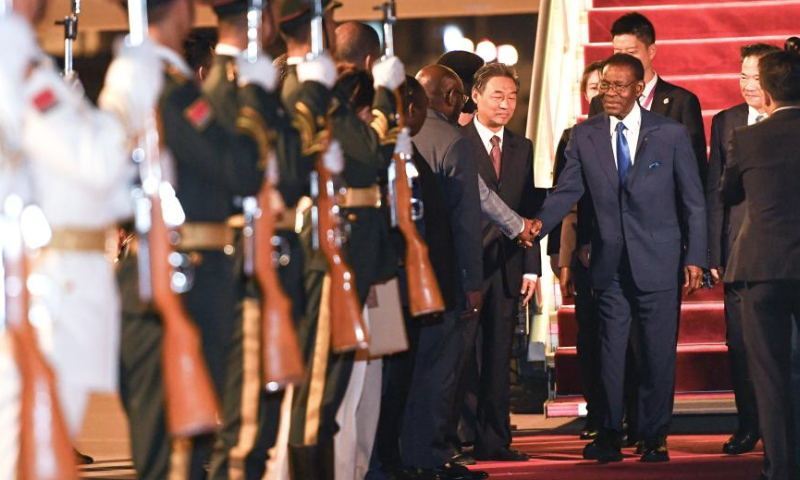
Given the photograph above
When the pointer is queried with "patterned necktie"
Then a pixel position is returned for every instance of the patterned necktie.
(496, 154)
(623, 153)
(760, 117)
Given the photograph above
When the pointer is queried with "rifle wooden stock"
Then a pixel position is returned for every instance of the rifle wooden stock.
(191, 402)
(348, 329)
(45, 449)
(282, 360)
(424, 295)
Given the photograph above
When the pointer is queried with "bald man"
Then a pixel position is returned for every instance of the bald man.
(358, 44)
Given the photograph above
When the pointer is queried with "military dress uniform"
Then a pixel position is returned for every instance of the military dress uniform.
(367, 153)
(212, 165)
(251, 415)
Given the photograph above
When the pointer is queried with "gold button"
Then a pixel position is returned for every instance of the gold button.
(352, 217)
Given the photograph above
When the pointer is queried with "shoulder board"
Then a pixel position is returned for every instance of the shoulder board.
(199, 114)
(176, 75)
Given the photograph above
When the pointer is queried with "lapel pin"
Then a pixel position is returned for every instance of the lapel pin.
(666, 101)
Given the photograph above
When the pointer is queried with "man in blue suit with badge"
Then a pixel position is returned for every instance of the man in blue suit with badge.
(640, 172)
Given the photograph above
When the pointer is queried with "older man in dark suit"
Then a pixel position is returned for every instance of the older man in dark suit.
(723, 227)
(505, 164)
(763, 171)
(642, 177)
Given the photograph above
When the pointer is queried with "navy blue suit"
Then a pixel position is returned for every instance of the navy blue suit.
(637, 253)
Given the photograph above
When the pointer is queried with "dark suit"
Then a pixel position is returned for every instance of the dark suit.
(681, 105)
(723, 227)
(504, 263)
(637, 252)
(449, 181)
(763, 171)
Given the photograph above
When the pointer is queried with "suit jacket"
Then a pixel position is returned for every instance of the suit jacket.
(515, 188)
(452, 160)
(681, 105)
(763, 171)
(723, 222)
(640, 219)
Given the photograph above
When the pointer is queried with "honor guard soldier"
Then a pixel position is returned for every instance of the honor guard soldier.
(68, 149)
(211, 165)
(367, 152)
(251, 414)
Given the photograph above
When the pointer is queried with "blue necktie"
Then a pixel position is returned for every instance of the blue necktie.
(623, 153)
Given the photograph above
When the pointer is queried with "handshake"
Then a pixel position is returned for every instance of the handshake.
(529, 232)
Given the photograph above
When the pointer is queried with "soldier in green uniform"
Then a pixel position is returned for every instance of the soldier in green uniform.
(250, 413)
(369, 251)
(209, 164)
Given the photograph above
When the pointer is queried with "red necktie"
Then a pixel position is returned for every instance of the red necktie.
(496, 154)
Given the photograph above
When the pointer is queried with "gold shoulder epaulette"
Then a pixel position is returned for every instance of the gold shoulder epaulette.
(250, 122)
(381, 124)
(313, 133)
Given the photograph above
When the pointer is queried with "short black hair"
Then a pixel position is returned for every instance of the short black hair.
(779, 74)
(491, 70)
(757, 50)
(361, 41)
(356, 85)
(411, 91)
(198, 50)
(587, 72)
(635, 24)
(625, 60)
(792, 43)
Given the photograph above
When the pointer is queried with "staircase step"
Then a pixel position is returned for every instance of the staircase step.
(705, 20)
(691, 57)
(685, 404)
(700, 368)
(649, 3)
(700, 323)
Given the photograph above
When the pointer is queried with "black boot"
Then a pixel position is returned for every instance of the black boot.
(311, 462)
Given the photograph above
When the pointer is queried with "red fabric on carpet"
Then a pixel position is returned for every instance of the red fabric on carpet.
(649, 3)
(558, 457)
(740, 19)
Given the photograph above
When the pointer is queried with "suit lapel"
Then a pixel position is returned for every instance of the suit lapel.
(507, 158)
(648, 126)
(662, 99)
(601, 138)
(740, 116)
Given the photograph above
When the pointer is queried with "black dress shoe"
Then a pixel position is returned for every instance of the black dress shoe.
(602, 452)
(452, 471)
(82, 459)
(655, 451)
(740, 442)
(505, 455)
(589, 431)
(639, 447)
(463, 459)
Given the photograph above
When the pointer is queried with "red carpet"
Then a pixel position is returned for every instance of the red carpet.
(558, 457)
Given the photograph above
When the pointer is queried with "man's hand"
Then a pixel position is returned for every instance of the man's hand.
(565, 279)
(528, 289)
(717, 273)
(536, 227)
(526, 237)
(584, 252)
(474, 303)
(694, 279)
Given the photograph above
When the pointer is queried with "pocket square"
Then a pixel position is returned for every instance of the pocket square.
(654, 165)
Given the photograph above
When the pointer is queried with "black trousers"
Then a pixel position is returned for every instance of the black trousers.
(211, 304)
(767, 314)
(619, 305)
(741, 379)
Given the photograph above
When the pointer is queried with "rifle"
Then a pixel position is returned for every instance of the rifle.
(348, 329)
(424, 294)
(282, 360)
(191, 402)
(45, 449)
(70, 24)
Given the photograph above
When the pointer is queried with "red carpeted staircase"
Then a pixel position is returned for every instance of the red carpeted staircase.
(698, 48)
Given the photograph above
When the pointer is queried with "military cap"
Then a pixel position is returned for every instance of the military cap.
(292, 13)
(465, 64)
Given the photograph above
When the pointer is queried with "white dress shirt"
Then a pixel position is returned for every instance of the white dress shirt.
(633, 123)
(486, 135)
(648, 87)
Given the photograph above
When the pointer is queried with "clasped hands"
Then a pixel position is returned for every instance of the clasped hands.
(529, 232)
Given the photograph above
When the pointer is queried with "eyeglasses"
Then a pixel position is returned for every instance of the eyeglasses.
(606, 86)
(464, 96)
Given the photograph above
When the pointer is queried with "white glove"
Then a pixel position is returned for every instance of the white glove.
(262, 73)
(133, 84)
(333, 159)
(403, 145)
(321, 70)
(389, 73)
